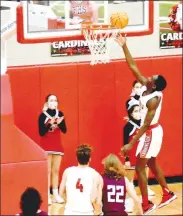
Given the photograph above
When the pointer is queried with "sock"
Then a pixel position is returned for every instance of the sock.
(165, 191)
(55, 192)
(145, 200)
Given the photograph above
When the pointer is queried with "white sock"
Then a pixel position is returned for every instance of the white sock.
(55, 192)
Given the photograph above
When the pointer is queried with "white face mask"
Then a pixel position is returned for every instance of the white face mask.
(137, 91)
(52, 105)
(136, 115)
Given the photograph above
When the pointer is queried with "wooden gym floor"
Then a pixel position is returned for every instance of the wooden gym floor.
(174, 208)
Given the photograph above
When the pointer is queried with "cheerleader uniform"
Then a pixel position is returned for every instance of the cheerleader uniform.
(130, 130)
(50, 134)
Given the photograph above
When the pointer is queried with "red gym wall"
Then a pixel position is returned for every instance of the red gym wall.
(93, 101)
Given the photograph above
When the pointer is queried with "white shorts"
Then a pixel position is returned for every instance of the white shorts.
(150, 143)
(68, 212)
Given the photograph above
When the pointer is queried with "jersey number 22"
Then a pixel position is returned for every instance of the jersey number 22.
(115, 193)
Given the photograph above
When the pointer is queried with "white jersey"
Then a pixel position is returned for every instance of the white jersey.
(79, 185)
(144, 109)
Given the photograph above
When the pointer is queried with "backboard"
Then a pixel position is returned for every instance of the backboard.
(50, 21)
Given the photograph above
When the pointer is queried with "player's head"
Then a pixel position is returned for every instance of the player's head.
(136, 89)
(113, 168)
(156, 83)
(52, 101)
(83, 154)
(30, 202)
(134, 112)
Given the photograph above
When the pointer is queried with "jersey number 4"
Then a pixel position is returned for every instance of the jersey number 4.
(79, 185)
(114, 194)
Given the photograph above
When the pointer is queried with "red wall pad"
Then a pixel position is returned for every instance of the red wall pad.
(23, 164)
(93, 101)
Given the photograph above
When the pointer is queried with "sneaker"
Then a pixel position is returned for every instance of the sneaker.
(166, 199)
(150, 192)
(148, 208)
(57, 199)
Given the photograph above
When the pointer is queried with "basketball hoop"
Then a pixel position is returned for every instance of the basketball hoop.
(98, 37)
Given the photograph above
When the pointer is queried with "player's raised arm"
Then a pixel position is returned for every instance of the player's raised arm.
(130, 61)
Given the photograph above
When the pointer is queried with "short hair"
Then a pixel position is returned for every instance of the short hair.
(30, 202)
(83, 154)
(160, 83)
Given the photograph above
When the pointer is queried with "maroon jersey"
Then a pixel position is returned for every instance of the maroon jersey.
(40, 213)
(114, 193)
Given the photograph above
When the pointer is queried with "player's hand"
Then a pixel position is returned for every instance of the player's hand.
(59, 120)
(120, 39)
(127, 164)
(126, 148)
(126, 118)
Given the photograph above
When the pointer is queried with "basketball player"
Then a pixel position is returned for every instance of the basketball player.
(115, 187)
(51, 123)
(176, 17)
(85, 10)
(129, 128)
(82, 186)
(150, 133)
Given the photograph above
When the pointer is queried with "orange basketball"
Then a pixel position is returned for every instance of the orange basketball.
(119, 20)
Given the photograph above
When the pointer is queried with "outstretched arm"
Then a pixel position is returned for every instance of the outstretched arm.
(130, 61)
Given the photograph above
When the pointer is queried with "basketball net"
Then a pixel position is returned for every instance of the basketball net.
(98, 38)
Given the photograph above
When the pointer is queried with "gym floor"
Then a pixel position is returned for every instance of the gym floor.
(174, 208)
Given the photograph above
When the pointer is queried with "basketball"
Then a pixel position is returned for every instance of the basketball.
(119, 20)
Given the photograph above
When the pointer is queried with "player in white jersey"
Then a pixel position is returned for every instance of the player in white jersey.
(82, 186)
(150, 134)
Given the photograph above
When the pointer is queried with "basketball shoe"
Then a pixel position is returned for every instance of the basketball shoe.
(166, 199)
(148, 208)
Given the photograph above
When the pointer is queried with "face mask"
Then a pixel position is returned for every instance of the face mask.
(137, 91)
(52, 105)
(136, 115)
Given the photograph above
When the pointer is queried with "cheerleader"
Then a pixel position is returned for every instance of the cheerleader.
(51, 123)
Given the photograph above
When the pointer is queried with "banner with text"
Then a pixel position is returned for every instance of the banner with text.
(69, 48)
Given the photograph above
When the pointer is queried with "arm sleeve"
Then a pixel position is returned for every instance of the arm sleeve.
(62, 125)
(43, 129)
(126, 134)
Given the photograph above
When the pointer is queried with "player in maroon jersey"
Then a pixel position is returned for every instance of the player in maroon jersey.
(115, 187)
(30, 203)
